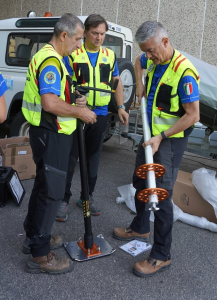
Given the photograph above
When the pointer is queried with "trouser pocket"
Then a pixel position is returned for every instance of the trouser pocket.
(55, 182)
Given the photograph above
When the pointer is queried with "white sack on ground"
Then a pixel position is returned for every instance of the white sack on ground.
(200, 222)
(127, 195)
(206, 184)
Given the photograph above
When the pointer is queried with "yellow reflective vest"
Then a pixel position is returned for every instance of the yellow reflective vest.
(31, 106)
(99, 76)
(167, 108)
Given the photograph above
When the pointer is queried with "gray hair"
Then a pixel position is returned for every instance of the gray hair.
(148, 30)
(69, 23)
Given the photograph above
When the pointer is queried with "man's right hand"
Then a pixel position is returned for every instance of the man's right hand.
(140, 91)
(88, 116)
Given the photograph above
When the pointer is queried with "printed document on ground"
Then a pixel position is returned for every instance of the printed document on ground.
(136, 247)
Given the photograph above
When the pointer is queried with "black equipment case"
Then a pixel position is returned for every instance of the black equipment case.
(10, 186)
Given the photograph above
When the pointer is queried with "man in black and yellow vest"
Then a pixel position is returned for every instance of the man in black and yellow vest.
(172, 107)
(94, 66)
(49, 106)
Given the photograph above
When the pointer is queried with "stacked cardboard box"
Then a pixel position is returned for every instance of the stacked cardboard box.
(186, 197)
(17, 153)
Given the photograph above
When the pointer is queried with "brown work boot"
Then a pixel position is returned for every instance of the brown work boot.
(56, 241)
(126, 234)
(51, 264)
(150, 266)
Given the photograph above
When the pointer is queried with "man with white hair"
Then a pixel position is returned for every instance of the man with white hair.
(172, 94)
(49, 106)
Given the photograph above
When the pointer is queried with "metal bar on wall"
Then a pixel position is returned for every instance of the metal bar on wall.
(117, 12)
(203, 25)
(158, 11)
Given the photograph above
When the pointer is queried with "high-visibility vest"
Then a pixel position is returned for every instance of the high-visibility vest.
(167, 107)
(31, 106)
(99, 76)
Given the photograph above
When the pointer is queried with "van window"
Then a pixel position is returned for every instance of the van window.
(114, 43)
(128, 52)
(21, 47)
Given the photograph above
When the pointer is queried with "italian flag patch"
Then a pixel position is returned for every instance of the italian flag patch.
(188, 88)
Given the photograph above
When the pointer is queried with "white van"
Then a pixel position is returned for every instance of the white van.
(21, 38)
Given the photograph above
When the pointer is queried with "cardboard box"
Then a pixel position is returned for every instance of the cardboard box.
(17, 153)
(186, 197)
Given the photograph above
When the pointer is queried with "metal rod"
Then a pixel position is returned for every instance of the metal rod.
(84, 89)
(88, 235)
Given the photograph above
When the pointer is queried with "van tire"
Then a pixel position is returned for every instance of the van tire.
(19, 125)
(127, 74)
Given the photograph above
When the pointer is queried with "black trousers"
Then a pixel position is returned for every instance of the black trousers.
(169, 155)
(94, 136)
(51, 156)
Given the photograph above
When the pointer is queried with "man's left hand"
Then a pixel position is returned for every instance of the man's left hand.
(154, 142)
(123, 116)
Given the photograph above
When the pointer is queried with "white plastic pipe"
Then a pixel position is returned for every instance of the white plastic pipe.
(151, 181)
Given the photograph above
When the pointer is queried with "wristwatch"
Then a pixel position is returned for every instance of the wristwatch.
(121, 106)
(163, 135)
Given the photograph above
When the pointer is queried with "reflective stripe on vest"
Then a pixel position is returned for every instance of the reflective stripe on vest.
(167, 121)
(87, 75)
(31, 106)
(166, 114)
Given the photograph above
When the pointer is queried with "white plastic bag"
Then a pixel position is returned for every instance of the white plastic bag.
(127, 195)
(202, 222)
(206, 184)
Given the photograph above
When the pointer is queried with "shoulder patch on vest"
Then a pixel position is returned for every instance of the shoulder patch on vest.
(188, 87)
(50, 77)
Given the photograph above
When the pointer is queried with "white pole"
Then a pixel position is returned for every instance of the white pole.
(151, 181)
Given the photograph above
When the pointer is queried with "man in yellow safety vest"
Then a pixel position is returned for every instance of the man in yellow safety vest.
(50, 107)
(172, 108)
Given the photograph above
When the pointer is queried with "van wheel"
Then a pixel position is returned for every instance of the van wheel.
(19, 126)
(128, 80)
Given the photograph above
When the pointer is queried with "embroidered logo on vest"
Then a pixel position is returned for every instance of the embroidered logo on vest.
(50, 77)
(150, 67)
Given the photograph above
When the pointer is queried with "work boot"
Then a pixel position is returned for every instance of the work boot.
(150, 266)
(94, 211)
(51, 264)
(127, 234)
(56, 241)
(62, 215)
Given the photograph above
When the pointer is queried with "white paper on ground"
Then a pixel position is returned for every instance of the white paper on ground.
(135, 247)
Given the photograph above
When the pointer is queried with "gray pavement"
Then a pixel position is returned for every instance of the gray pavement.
(192, 274)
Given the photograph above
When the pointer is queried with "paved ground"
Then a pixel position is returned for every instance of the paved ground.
(192, 274)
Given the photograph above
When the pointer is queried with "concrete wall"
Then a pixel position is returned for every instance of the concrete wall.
(191, 24)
